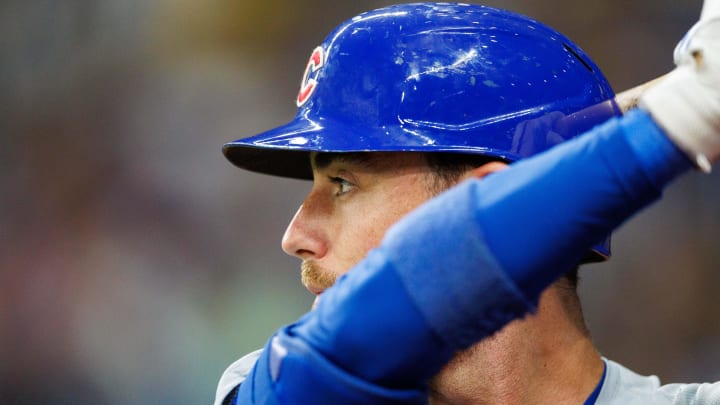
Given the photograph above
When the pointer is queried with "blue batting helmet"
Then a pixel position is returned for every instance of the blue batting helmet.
(435, 77)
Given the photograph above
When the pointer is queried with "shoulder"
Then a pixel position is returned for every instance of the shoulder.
(624, 386)
(696, 393)
(235, 374)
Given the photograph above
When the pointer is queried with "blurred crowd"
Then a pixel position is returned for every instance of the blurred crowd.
(136, 263)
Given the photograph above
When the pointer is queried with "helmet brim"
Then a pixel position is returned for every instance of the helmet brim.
(285, 151)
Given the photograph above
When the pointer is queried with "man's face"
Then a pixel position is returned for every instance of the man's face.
(354, 199)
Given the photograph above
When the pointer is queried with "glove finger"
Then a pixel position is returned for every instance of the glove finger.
(710, 10)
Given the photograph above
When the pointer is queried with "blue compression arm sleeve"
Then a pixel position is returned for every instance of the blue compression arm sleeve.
(539, 221)
(461, 267)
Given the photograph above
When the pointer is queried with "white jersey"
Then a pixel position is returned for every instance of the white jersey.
(625, 387)
(235, 375)
(620, 387)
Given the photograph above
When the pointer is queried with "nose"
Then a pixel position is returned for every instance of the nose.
(305, 235)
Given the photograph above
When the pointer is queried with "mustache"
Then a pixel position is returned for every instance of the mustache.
(311, 274)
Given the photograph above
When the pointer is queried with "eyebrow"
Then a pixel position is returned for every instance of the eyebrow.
(323, 160)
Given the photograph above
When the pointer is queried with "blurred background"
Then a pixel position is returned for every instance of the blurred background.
(136, 263)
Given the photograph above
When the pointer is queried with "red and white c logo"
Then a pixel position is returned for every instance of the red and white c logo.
(309, 80)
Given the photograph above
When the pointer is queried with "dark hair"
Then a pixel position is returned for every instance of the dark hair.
(568, 290)
(449, 167)
(573, 278)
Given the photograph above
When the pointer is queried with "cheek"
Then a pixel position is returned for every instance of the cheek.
(358, 230)
(362, 224)
(360, 234)
(368, 227)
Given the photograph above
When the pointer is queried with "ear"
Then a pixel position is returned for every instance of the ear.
(484, 170)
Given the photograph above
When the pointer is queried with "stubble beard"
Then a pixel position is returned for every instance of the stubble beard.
(312, 275)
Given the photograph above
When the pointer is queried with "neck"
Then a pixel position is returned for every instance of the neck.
(544, 358)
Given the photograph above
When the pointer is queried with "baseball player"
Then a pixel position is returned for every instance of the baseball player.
(443, 228)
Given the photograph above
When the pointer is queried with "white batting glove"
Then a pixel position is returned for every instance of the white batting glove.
(687, 103)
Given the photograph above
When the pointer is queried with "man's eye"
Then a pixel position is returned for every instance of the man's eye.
(343, 186)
